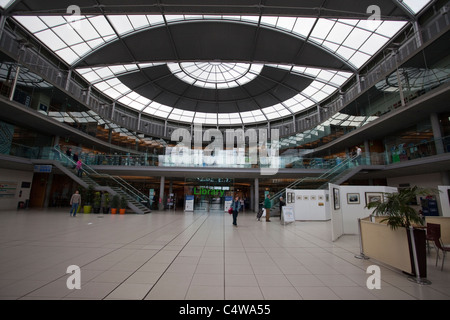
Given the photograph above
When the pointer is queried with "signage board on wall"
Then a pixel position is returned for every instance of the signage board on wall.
(43, 168)
(7, 189)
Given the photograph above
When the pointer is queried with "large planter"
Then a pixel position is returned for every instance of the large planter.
(394, 247)
(113, 210)
(122, 211)
(105, 210)
(421, 251)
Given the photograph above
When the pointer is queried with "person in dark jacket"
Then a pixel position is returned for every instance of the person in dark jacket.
(282, 204)
(267, 206)
(236, 206)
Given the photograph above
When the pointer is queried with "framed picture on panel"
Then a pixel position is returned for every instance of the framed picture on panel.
(374, 197)
(336, 199)
(353, 198)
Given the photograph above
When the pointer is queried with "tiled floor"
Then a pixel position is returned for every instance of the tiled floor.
(190, 256)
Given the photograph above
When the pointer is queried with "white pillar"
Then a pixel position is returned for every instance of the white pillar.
(161, 194)
(256, 201)
(437, 134)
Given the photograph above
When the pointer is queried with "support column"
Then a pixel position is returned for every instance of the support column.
(436, 126)
(161, 194)
(69, 76)
(252, 200)
(256, 201)
(367, 152)
(13, 87)
(48, 190)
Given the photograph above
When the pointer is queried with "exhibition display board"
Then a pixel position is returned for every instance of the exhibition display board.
(287, 215)
(308, 205)
(348, 204)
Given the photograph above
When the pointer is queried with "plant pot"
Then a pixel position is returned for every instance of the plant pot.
(122, 211)
(96, 210)
(113, 210)
(421, 251)
(105, 210)
(87, 209)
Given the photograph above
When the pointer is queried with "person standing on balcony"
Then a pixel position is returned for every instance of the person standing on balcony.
(358, 152)
(267, 206)
(75, 201)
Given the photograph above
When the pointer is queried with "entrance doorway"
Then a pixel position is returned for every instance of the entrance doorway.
(209, 194)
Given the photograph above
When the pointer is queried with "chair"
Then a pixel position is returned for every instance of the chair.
(434, 234)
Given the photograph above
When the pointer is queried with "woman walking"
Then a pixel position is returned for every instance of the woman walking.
(236, 206)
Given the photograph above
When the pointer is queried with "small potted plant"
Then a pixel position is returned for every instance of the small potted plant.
(115, 203)
(123, 205)
(89, 195)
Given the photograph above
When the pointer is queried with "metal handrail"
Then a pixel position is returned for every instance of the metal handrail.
(136, 193)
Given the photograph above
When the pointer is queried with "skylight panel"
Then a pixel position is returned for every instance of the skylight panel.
(112, 93)
(390, 28)
(359, 59)
(138, 21)
(322, 29)
(415, 5)
(102, 26)
(87, 31)
(373, 44)
(339, 32)
(121, 24)
(356, 38)
(6, 3)
(68, 55)
(33, 24)
(53, 21)
(253, 19)
(81, 49)
(286, 23)
(303, 26)
(50, 39)
(345, 52)
(155, 19)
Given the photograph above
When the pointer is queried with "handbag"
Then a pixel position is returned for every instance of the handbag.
(230, 211)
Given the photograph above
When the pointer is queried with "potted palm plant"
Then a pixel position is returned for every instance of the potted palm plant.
(115, 203)
(397, 212)
(123, 205)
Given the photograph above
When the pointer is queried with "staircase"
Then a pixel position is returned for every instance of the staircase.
(103, 182)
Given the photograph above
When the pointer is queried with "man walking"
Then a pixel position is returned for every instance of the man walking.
(267, 206)
(75, 201)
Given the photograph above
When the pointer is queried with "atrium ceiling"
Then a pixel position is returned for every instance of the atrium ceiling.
(215, 62)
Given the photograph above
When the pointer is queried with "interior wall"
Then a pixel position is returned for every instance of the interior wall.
(444, 197)
(354, 210)
(432, 180)
(12, 189)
